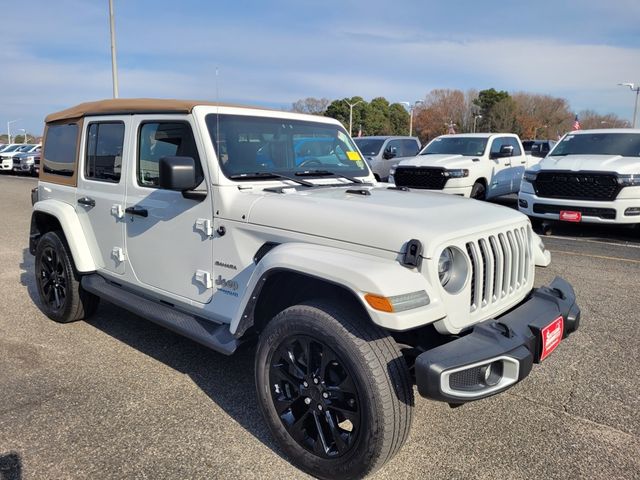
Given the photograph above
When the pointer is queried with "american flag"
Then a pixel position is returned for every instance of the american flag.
(576, 123)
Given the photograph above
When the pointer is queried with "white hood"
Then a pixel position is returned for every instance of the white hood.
(385, 219)
(593, 163)
(442, 161)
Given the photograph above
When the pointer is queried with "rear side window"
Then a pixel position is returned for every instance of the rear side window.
(163, 139)
(104, 151)
(410, 148)
(60, 149)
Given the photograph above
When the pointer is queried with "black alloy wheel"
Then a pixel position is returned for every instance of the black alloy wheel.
(333, 388)
(53, 279)
(315, 396)
(63, 298)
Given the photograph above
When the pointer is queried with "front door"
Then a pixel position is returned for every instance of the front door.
(101, 191)
(500, 183)
(168, 245)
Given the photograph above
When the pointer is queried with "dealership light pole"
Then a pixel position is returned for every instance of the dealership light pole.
(475, 119)
(351, 105)
(9, 129)
(633, 88)
(114, 65)
(411, 109)
(24, 138)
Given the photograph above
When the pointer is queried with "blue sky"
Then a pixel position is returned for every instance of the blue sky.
(272, 53)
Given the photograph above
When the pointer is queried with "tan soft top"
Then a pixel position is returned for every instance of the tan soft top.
(118, 106)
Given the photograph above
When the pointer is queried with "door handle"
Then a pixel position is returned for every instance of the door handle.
(87, 202)
(142, 212)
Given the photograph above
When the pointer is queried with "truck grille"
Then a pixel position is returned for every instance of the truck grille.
(429, 178)
(500, 266)
(577, 185)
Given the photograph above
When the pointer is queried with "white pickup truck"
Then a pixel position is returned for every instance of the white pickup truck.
(476, 165)
(590, 176)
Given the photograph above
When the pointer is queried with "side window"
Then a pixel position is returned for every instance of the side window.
(409, 148)
(60, 149)
(163, 139)
(514, 143)
(497, 145)
(103, 158)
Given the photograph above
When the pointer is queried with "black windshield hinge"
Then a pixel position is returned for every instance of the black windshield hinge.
(413, 254)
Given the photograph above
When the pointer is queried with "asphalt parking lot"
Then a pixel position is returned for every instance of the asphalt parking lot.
(118, 397)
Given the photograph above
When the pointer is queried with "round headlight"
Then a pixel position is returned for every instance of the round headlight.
(445, 266)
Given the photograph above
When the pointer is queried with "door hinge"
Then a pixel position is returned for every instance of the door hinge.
(204, 278)
(118, 254)
(205, 225)
(117, 210)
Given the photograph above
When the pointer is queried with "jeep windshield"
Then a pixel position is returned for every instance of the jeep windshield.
(254, 148)
(624, 144)
(468, 146)
(369, 146)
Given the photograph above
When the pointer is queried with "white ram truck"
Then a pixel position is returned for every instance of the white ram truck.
(590, 176)
(203, 218)
(476, 165)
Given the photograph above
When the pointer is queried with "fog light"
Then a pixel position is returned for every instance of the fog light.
(632, 211)
(523, 203)
(491, 373)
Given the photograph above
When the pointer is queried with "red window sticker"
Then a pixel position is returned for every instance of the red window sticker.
(551, 336)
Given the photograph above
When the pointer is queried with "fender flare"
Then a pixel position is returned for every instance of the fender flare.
(70, 223)
(357, 272)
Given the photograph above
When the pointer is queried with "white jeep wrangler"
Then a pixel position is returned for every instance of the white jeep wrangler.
(204, 219)
(476, 165)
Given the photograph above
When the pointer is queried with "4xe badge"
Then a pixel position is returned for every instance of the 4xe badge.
(551, 336)
(570, 216)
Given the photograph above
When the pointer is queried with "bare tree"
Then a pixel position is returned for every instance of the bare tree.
(311, 105)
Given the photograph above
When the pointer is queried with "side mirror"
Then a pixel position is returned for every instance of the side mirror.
(389, 153)
(177, 173)
(505, 151)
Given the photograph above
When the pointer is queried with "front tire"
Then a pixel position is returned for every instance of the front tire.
(479, 191)
(334, 389)
(63, 298)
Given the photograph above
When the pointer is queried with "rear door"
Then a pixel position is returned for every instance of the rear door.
(101, 190)
(168, 244)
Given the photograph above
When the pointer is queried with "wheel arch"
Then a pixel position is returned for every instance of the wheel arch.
(294, 272)
(52, 215)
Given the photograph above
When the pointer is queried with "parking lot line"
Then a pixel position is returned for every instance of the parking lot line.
(585, 240)
(595, 256)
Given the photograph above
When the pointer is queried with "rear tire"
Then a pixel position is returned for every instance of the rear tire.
(479, 191)
(63, 298)
(334, 389)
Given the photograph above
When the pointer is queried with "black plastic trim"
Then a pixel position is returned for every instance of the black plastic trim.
(210, 334)
(515, 334)
(247, 319)
(413, 253)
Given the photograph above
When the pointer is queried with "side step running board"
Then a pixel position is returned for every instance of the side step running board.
(216, 337)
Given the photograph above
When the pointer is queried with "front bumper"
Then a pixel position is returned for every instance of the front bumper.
(593, 211)
(497, 353)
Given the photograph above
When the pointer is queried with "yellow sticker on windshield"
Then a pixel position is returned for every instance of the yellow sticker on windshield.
(355, 156)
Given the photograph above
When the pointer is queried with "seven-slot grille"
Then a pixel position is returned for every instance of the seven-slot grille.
(577, 185)
(500, 266)
(419, 177)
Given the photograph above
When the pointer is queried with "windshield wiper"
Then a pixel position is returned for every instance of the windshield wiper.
(266, 175)
(325, 173)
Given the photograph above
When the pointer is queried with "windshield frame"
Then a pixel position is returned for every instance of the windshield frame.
(238, 131)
